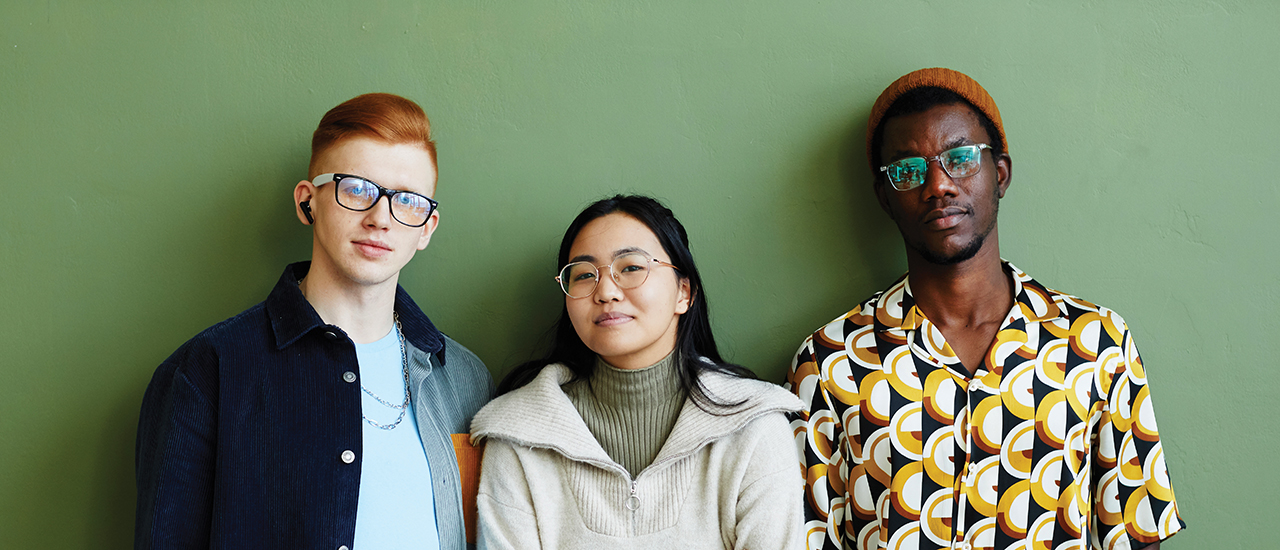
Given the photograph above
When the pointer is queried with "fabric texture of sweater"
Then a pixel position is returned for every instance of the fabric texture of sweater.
(725, 480)
(630, 411)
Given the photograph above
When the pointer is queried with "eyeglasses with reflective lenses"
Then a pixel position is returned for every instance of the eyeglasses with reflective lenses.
(359, 194)
(961, 162)
(630, 270)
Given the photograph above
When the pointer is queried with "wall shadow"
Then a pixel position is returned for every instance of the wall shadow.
(835, 245)
(114, 492)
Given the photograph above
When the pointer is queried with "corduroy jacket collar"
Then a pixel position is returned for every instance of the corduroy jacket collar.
(292, 315)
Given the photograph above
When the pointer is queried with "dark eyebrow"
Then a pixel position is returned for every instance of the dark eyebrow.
(957, 142)
(616, 253)
(627, 250)
(899, 155)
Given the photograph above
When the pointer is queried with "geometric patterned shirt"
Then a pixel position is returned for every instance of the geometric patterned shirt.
(1051, 444)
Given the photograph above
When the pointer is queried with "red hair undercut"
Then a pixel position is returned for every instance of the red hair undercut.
(385, 117)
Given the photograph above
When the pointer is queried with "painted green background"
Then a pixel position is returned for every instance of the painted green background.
(148, 149)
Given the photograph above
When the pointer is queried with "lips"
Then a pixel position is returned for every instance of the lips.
(612, 318)
(372, 248)
(945, 217)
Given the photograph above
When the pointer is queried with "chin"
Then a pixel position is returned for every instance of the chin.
(613, 348)
(945, 255)
(369, 275)
(607, 348)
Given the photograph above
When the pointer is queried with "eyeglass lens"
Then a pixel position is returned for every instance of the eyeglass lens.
(579, 279)
(959, 162)
(407, 207)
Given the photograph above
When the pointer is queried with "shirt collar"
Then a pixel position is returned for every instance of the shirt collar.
(896, 307)
(292, 315)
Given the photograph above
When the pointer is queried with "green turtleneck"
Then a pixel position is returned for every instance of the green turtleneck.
(630, 412)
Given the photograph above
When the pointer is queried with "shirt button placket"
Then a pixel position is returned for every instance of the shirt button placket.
(348, 456)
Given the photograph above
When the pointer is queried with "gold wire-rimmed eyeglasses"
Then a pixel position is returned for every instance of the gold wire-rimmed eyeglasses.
(630, 270)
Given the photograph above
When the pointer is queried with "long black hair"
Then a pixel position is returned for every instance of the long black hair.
(695, 345)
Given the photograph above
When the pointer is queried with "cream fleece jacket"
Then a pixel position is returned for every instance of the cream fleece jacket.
(720, 481)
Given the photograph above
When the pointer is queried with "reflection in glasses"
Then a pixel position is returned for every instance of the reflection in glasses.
(960, 162)
(359, 194)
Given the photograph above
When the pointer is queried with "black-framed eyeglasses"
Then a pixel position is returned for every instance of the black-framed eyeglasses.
(359, 194)
(630, 270)
(960, 162)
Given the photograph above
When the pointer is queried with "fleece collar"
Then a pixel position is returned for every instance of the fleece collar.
(540, 415)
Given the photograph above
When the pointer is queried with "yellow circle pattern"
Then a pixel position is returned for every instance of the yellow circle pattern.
(903, 449)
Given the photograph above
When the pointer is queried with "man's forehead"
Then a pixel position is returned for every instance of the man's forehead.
(404, 166)
(946, 126)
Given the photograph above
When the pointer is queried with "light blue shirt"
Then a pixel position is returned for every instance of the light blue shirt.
(396, 507)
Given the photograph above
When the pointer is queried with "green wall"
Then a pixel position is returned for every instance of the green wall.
(148, 150)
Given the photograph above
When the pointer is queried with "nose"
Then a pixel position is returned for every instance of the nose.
(378, 217)
(937, 183)
(607, 289)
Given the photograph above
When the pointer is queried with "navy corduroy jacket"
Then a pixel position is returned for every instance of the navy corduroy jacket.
(250, 433)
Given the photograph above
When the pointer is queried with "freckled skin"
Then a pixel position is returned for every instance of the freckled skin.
(356, 257)
(334, 256)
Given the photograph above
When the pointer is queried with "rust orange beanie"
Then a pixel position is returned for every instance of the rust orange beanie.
(937, 77)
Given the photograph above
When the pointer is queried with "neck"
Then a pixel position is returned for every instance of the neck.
(642, 387)
(968, 293)
(630, 412)
(365, 313)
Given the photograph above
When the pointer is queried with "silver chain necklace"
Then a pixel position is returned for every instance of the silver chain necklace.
(404, 369)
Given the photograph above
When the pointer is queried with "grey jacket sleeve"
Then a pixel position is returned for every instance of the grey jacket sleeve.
(448, 395)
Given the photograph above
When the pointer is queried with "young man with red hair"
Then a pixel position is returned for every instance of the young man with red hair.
(321, 417)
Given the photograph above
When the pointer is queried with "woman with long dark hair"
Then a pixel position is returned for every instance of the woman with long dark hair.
(633, 432)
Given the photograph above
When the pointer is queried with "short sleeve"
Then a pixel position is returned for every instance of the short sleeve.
(1134, 500)
(819, 435)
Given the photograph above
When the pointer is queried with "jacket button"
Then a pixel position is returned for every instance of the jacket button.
(343, 547)
(348, 457)
(349, 376)
(330, 335)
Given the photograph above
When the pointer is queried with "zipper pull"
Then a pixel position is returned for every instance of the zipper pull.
(633, 502)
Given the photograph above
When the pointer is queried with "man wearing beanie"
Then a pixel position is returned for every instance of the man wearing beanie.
(967, 405)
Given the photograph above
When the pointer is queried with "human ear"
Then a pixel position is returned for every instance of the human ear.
(302, 195)
(685, 296)
(428, 229)
(1004, 173)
